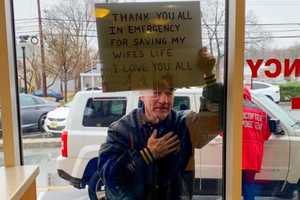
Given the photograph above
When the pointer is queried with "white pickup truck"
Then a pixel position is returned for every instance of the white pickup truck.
(92, 111)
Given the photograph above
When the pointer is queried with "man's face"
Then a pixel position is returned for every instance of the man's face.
(158, 104)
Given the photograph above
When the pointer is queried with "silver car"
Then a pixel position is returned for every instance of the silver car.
(33, 111)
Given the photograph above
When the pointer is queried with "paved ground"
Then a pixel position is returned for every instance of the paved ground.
(65, 194)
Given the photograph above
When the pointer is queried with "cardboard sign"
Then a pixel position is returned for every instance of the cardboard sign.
(142, 44)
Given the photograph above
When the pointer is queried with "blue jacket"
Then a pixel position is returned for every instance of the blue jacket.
(127, 169)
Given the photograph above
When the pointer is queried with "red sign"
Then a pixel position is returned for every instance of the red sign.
(295, 102)
(288, 67)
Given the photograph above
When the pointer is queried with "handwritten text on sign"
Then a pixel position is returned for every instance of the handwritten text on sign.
(142, 43)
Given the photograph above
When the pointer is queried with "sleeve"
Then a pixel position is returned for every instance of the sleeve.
(214, 93)
(202, 127)
(118, 161)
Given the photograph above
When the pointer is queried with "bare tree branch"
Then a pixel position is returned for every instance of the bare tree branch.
(69, 53)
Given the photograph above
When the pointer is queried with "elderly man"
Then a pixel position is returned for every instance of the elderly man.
(147, 150)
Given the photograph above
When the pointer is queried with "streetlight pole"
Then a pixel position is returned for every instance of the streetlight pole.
(44, 78)
(23, 40)
(24, 69)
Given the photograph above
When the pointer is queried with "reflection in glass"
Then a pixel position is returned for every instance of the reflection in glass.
(277, 151)
(279, 175)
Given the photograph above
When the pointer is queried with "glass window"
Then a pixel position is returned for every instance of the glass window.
(26, 100)
(181, 103)
(101, 112)
(72, 63)
(276, 111)
(272, 39)
(256, 85)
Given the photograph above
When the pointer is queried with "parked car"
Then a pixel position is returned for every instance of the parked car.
(56, 119)
(271, 91)
(33, 111)
(50, 93)
(85, 133)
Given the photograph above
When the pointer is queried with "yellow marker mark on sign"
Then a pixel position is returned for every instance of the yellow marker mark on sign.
(101, 12)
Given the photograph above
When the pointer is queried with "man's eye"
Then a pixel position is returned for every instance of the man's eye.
(156, 94)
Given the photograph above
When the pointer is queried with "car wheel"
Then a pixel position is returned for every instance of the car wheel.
(42, 122)
(95, 188)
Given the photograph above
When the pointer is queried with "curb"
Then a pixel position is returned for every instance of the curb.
(37, 143)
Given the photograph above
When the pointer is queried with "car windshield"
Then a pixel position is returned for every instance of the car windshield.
(257, 85)
(276, 110)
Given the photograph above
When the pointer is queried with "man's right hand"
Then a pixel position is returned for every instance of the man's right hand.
(206, 61)
(160, 147)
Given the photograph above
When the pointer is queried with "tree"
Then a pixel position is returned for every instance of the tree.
(256, 37)
(67, 45)
(34, 64)
(213, 19)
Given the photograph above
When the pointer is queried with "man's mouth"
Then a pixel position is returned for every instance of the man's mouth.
(163, 109)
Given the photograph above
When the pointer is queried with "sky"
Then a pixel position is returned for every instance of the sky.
(278, 11)
(284, 13)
